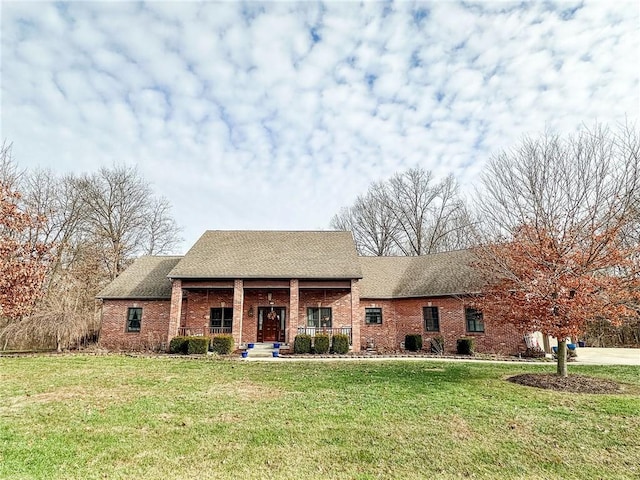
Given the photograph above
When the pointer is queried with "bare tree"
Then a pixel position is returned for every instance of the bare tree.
(410, 214)
(373, 225)
(556, 211)
(430, 215)
(580, 183)
(161, 229)
(56, 199)
(448, 227)
(124, 218)
(94, 224)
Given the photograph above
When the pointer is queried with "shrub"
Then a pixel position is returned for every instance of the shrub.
(340, 343)
(413, 342)
(321, 343)
(222, 344)
(302, 344)
(197, 345)
(437, 345)
(178, 345)
(465, 346)
(534, 352)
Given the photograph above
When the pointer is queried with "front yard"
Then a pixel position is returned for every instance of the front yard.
(126, 417)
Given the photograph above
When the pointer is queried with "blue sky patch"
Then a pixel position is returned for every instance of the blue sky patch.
(217, 102)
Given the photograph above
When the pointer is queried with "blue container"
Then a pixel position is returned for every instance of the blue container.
(244, 354)
(571, 346)
(276, 345)
(275, 354)
(251, 345)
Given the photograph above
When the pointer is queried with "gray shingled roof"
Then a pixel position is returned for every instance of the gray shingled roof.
(270, 254)
(145, 278)
(276, 254)
(447, 273)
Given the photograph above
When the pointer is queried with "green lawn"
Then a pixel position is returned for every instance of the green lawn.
(123, 417)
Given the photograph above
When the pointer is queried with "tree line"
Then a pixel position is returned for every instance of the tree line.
(62, 238)
(554, 224)
(409, 214)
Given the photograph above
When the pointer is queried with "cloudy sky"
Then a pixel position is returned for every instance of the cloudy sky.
(274, 115)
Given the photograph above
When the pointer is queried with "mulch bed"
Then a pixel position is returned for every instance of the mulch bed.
(572, 383)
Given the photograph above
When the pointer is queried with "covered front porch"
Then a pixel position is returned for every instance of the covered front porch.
(268, 310)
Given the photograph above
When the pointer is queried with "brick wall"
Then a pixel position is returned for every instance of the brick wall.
(197, 306)
(383, 337)
(399, 317)
(154, 325)
(254, 298)
(404, 316)
(338, 299)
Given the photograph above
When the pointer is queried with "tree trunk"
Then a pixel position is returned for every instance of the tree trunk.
(545, 343)
(562, 358)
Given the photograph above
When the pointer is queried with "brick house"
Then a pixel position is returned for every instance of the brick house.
(268, 286)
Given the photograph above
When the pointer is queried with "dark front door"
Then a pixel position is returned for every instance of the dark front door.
(271, 324)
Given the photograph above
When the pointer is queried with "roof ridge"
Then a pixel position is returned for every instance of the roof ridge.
(459, 250)
(240, 230)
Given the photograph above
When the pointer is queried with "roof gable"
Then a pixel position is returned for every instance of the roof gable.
(270, 254)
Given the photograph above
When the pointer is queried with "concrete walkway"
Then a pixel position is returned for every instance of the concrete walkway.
(608, 356)
(586, 356)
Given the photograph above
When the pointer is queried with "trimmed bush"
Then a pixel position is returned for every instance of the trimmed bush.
(222, 344)
(197, 345)
(321, 343)
(413, 342)
(534, 352)
(178, 345)
(465, 346)
(437, 345)
(302, 344)
(340, 344)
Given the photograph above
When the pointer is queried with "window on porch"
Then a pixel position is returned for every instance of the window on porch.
(221, 320)
(318, 317)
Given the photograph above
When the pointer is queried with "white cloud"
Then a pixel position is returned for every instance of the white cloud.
(274, 115)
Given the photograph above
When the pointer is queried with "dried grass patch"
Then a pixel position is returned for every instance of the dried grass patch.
(245, 390)
(97, 397)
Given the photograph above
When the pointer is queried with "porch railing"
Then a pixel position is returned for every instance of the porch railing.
(203, 331)
(313, 331)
